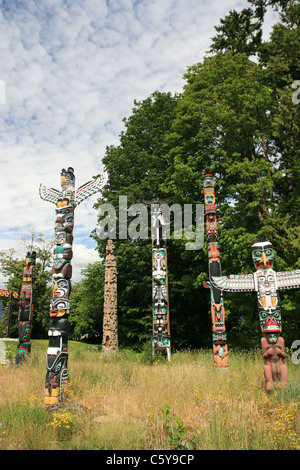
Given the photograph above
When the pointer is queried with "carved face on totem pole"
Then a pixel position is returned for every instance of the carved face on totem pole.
(265, 278)
(30, 258)
(262, 254)
(67, 178)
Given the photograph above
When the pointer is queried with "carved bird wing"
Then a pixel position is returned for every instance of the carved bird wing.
(234, 283)
(91, 187)
(49, 194)
(288, 279)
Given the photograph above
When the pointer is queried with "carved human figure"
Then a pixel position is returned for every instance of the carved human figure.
(273, 350)
(220, 351)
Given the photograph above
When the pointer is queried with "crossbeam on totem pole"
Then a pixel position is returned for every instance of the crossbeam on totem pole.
(65, 200)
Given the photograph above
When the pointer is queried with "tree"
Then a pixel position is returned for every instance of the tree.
(228, 121)
(12, 268)
(238, 33)
(261, 6)
(137, 169)
(87, 302)
(37, 242)
(237, 120)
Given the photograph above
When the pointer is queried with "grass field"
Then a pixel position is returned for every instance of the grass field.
(129, 402)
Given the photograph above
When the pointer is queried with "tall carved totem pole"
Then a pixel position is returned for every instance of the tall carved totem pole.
(26, 308)
(66, 200)
(110, 319)
(11, 295)
(219, 339)
(265, 281)
(160, 298)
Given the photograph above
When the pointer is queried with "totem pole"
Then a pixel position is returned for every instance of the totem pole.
(110, 320)
(11, 295)
(219, 339)
(265, 281)
(57, 353)
(26, 308)
(160, 298)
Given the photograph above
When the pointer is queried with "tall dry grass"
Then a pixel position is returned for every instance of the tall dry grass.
(129, 402)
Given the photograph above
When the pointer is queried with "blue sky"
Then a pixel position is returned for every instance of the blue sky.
(71, 71)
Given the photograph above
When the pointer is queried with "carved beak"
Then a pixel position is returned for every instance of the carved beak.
(264, 259)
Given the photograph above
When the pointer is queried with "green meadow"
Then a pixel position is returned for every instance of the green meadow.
(133, 402)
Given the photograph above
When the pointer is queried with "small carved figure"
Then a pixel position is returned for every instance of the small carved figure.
(273, 350)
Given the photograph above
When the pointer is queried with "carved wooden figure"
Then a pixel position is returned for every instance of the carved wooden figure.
(110, 319)
(10, 294)
(65, 200)
(26, 308)
(265, 281)
(219, 338)
(160, 298)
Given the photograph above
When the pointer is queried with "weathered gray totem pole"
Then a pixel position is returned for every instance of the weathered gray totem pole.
(219, 339)
(66, 200)
(110, 319)
(26, 308)
(265, 281)
(160, 297)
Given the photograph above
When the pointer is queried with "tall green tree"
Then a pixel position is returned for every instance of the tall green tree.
(138, 170)
(86, 299)
(228, 121)
(239, 32)
(231, 121)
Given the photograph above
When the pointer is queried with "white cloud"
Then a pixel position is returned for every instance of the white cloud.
(72, 69)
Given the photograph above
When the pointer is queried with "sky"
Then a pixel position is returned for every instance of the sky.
(70, 72)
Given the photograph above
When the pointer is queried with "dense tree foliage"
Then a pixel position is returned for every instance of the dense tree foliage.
(235, 119)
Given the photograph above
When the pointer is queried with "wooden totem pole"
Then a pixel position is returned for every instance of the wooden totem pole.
(66, 200)
(10, 294)
(160, 298)
(265, 281)
(26, 308)
(219, 339)
(110, 319)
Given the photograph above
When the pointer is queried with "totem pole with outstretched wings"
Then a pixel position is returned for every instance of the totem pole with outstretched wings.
(265, 281)
(57, 353)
